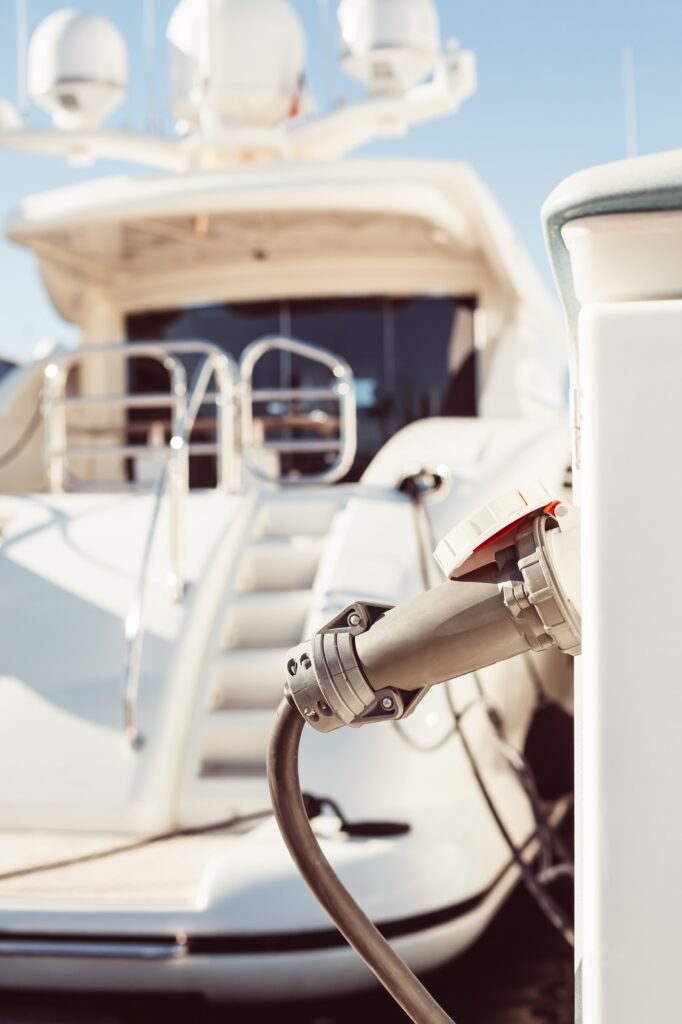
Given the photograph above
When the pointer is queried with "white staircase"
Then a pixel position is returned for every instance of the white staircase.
(266, 605)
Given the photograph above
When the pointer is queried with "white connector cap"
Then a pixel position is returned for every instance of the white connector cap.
(475, 541)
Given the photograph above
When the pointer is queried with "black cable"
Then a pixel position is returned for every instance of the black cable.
(23, 440)
(524, 773)
(423, 748)
(545, 901)
(441, 741)
(136, 844)
(546, 835)
(352, 922)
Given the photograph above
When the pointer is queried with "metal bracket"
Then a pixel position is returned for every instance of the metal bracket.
(325, 680)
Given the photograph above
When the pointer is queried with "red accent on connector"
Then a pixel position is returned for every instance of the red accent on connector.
(547, 510)
(499, 534)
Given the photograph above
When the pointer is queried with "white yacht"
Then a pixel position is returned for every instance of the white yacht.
(296, 371)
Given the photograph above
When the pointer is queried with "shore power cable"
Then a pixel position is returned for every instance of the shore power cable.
(513, 587)
(352, 922)
(555, 859)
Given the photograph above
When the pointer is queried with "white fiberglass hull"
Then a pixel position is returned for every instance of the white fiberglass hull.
(106, 948)
(224, 912)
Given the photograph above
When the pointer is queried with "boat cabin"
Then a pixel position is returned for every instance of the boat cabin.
(408, 273)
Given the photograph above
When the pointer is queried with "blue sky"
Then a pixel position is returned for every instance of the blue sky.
(549, 102)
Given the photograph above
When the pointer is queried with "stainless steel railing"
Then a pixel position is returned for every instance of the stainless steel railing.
(232, 385)
(174, 478)
(56, 405)
(342, 392)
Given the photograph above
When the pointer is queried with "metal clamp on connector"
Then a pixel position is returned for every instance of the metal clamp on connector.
(546, 601)
(326, 683)
(515, 591)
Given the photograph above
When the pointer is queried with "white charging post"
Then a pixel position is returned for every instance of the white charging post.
(616, 240)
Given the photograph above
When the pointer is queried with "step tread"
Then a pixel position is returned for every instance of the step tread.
(246, 679)
(237, 736)
(265, 619)
(279, 564)
(251, 597)
(213, 769)
(284, 518)
(238, 718)
(234, 656)
(285, 542)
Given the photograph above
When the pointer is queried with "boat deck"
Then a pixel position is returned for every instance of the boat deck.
(71, 870)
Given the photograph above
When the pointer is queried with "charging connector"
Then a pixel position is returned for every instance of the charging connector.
(373, 663)
(515, 589)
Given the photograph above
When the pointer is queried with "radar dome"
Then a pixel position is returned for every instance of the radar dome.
(390, 45)
(77, 68)
(236, 62)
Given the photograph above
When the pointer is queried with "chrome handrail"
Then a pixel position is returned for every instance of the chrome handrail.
(56, 404)
(342, 392)
(174, 478)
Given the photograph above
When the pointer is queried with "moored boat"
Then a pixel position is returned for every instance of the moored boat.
(296, 372)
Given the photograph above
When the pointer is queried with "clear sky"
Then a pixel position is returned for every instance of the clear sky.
(549, 102)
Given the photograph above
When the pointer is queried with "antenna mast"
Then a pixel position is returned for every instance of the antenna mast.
(22, 53)
(150, 60)
(330, 62)
(630, 103)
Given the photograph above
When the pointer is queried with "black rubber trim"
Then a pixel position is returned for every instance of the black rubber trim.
(280, 942)
(83, 938)
(330, 938)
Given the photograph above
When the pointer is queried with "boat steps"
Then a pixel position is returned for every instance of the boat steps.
(285, 515)
(264, 619)
(280, 563)
(245, 679)
(238, 737)
(264, 616)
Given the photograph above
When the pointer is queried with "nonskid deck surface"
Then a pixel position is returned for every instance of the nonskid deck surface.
(48, 872)
(109, 870)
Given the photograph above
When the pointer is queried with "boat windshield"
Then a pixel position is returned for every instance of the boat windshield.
(412, 358)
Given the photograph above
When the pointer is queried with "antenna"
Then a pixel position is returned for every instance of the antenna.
(330, 55)
(208, 116)
(22, 51)
(150, 62)
(211, 91)
(630, 103)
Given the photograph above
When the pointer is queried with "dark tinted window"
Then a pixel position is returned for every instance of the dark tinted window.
(5, 367)
(411, 358)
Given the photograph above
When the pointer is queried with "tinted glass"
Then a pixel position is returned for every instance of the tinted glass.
(5, 367)
(411, 358)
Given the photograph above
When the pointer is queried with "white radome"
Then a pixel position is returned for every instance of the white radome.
(77, 68)
(236, 61)
(390, 45)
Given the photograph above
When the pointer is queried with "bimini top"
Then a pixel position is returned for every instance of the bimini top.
(120, 233)
(645, 185)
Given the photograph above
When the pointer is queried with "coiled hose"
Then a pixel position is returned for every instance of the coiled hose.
(352, 922)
